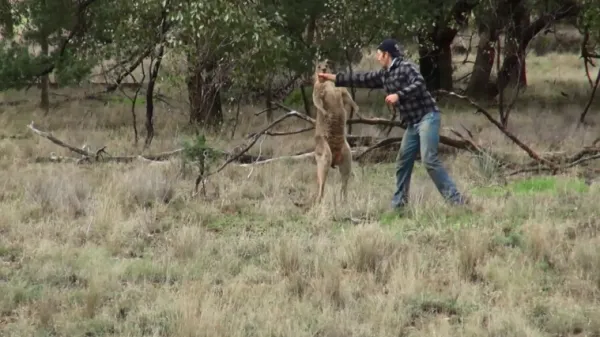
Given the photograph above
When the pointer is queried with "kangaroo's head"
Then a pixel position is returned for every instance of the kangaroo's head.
(324, 66)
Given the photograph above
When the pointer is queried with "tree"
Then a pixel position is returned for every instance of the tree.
(221, 41)
(435, 23)
(512, 18)
(42, 24)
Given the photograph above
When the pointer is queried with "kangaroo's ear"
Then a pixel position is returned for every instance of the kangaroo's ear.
(315, 62)
(331, 65)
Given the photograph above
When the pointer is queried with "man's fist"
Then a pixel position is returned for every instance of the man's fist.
(392, 99)
(326, 76)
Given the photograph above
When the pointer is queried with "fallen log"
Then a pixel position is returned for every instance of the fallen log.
(455, 143)
(502, 129)
(102, 156)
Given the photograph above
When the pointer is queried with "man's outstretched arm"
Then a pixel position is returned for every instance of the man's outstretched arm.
(370, 79)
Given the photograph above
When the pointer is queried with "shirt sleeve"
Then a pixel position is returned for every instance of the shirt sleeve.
(408, 73)
(371, 79)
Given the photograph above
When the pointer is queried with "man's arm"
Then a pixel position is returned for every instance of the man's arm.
(371, 79)
(408, 73)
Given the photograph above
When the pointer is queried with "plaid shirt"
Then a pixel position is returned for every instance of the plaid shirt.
(402, 78)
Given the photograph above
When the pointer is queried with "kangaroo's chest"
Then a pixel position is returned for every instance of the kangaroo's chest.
(331, 98)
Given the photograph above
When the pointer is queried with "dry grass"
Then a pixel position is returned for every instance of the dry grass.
(123, 250)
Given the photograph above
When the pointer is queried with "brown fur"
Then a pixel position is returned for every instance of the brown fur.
(331, 146)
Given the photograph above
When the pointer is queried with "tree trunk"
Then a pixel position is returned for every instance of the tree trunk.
(45, 85)
(268, 105)
(569, 9)
(479, 83)
(6, 19)
(204, 94)
(519, 20)
(445, 65)
(436, 56)
(436, 66)
(427, 66)
(45, 80)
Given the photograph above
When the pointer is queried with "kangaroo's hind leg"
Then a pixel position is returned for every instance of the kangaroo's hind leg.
(345, 167)
(323, 158)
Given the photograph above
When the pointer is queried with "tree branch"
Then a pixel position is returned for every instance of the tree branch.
(507, 133)
(96, 156)
(591, 99)
(253, 141)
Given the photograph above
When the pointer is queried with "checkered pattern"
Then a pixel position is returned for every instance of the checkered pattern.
(402, 78)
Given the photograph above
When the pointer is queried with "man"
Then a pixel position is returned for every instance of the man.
(406, 89)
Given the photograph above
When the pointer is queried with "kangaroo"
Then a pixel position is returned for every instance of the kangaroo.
(331, 147)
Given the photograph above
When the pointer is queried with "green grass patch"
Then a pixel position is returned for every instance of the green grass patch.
(534, 185)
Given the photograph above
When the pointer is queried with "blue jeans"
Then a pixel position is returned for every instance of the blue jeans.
(423, 136)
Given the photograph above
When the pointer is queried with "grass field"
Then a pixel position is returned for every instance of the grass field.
(123, 249)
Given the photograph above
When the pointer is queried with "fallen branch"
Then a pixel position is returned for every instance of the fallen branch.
(500, 127)
(254, 140)
(57, 141)
(292, 158)
(455, 143)
(284, 133)
(590, 100)
(539, 169)
(97, 156)
(380, 144)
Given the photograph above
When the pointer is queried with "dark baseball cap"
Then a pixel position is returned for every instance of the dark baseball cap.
(391, 46)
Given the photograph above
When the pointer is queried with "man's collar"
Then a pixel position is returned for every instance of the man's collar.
(394, 63)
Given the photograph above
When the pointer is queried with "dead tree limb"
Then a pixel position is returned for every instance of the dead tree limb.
(380, 144)
(455, 143)
(95, 156)
(394, 113)
(586, 55)
(500, 127)
(270, 160)
(296, 157)
(87, 156)
(538, 169)
(590, 100)
(57, 141)
(253, 141)
(287, 133)
(134, 103)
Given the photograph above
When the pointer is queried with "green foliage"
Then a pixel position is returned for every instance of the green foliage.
(421, 18)
(7, 23)
(293, 20)
(349, 25)
(196, 151)
(40, 22)
(17, 65)
(71, 68)
(591, 18)
(536, 185)
(294, 99)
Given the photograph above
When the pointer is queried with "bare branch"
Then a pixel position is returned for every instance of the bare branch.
(459, 144)
(590, 100)
(296, 157)
(254, 140)
(507, 133)
(285, 133)
(380, 144)
(95, 156)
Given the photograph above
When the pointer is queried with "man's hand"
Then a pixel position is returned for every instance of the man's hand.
(326, 76)
(392, 99)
